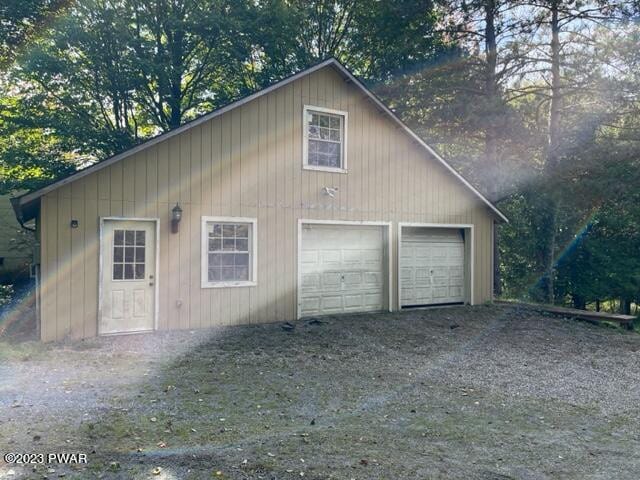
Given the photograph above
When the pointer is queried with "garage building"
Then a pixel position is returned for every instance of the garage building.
(307, 198)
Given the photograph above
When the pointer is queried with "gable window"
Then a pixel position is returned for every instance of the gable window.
(228, 252)
(325, 139)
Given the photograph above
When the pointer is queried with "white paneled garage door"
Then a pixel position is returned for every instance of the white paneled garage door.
(342, 269)
(432, 266)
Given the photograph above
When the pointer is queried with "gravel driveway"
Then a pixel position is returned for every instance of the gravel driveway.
(481, 392)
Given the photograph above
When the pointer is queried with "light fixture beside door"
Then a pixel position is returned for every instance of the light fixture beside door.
(176, 216)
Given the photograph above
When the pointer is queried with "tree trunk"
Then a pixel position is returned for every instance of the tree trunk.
(176, 49)
(497, 284)
(491, 97)
(490, 133)
(597, 305)
(553, 153)
(549, 229)
(625, 306)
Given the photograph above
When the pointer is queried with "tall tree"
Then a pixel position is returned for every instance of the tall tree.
(374, 39)
(187, 55)
(566, 25)
(92, 92)
(20, 21)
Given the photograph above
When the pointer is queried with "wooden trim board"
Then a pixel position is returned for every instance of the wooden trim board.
(625, 320)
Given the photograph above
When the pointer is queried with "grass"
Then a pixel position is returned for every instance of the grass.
(431, 394)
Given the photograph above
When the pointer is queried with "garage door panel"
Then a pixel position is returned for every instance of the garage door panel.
(423, 295)
(372, 259)
(310, 281)
(309, 257)
(408, 252)
(350, 268)
(352, 279)
(373, 280)
(438, 254)
(422, 276)
(331, 304)
(408, 294)
(432, 266)
(440, 292)
(352, 257)
(331, 281)
(310, 305)
(425, 291)
(331, 258)
(406, 273)
(373, 301)
(455, 291)
(456, 254)
(353, 301)
(456, 276)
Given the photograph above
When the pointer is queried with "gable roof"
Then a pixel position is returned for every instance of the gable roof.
(25, 205)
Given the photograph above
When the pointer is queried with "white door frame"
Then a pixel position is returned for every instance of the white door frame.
(466, 226)
(156, 279)
(389, 245)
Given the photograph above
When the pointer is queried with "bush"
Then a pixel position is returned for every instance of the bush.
(6, 295)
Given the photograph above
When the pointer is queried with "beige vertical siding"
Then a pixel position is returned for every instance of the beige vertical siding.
(247, 162)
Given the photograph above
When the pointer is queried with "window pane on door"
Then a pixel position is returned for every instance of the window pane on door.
(129, 254)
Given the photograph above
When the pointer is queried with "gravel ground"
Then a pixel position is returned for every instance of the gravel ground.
(460, 393)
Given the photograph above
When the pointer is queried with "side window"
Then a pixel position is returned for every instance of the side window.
(228, 252)
(325, 136)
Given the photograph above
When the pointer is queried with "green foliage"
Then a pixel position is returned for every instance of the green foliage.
(106, 75)
(21, 20)
(29, 156)
(604, 260)
(109, 74)
(6, 295)
(374, 39)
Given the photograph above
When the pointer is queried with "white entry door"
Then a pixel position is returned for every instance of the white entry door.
(432, 266)
(341, 269)
(128, 276)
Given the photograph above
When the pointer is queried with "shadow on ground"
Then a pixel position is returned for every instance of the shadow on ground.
(468, 393)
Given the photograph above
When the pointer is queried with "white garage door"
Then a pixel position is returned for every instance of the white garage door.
(432, 267)
(341, 269)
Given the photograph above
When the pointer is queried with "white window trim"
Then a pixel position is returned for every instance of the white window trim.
(305, 139)
(204, 253)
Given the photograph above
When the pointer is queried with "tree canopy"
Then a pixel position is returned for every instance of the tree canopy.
(536, 101)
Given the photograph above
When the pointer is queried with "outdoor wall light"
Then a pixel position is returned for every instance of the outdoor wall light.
(176, 216)
(74, 223)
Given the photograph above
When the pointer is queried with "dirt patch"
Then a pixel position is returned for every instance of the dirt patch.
(469, 393)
